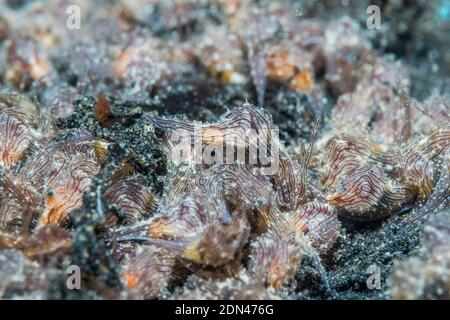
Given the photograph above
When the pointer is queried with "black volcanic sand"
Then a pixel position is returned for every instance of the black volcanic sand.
(359, 247)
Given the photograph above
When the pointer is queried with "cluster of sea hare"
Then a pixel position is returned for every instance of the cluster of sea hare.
(87, 170)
